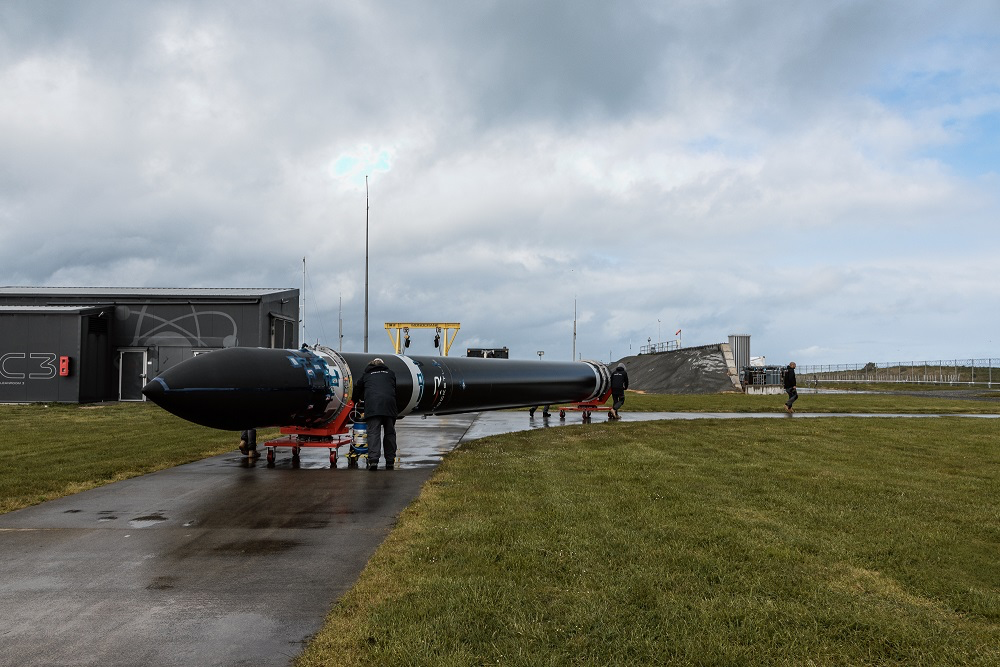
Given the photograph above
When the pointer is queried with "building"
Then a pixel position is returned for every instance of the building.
(79, 345)
(488, 352)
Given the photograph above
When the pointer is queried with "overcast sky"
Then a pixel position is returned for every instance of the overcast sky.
(820, 175)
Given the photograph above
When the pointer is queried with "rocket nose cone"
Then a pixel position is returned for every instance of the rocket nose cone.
(240, 387)
(154, 390)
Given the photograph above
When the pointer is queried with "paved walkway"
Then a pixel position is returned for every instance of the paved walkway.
(210, 563)
(219, 562)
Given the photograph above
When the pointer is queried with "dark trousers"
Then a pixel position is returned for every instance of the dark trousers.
(793, 395)
(381, 431)
(619, 400)
(250, 438)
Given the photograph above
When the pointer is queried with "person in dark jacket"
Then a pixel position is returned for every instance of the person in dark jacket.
(619, 383)
(377, 388)
(793, 393)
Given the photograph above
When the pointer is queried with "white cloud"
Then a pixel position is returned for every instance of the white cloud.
(773, 170)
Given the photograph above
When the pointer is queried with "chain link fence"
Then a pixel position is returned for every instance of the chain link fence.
(971, 372)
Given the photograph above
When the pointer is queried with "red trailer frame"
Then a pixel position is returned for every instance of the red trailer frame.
(334, 435)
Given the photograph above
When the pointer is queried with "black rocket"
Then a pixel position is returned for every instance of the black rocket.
(240, 387)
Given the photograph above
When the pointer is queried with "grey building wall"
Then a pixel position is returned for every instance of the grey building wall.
(147, 331)
(34, 340)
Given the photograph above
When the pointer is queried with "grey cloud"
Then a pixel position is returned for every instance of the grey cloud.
(711, 165)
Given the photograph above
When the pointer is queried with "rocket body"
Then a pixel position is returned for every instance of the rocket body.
(238, 388)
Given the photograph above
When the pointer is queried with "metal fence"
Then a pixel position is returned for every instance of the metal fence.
(653, 348)
(972, 372)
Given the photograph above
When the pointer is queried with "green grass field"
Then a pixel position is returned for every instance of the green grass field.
(878, 403)
(788, 542)
(818, 541)
(54, 450)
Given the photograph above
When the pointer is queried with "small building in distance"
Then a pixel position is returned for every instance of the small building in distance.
(488, 352)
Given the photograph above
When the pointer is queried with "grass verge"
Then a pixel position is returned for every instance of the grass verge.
(819, 541)
(55, 450)
(808, 403)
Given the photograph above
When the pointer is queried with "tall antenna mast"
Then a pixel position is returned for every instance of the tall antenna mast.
(366, 262)
(340, 320)
(302, 311)
(574, 328)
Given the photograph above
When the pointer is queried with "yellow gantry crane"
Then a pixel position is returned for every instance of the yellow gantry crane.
(401, 339)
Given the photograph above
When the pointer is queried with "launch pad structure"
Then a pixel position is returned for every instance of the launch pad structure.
(403, 329)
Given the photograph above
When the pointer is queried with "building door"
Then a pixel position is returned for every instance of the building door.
(131, 375)
(282, 333)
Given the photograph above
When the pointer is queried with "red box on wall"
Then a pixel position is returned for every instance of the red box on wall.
(64, 366)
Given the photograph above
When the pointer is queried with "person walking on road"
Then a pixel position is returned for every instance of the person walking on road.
(545, 412)
(248, 443)
(377, 388)
(619, 383)
(793, 393)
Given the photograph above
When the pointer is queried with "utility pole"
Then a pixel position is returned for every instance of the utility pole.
(574, 329)
(302, 310)
(366, 262)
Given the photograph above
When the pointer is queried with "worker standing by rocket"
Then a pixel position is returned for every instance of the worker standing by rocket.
(619, 383)
(377, 388)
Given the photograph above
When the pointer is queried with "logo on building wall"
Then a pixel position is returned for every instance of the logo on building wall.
(187, 329)
(15, 367)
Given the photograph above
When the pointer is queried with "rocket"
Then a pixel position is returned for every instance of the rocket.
(241, 387)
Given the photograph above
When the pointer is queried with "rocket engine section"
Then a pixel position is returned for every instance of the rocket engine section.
(237, 388)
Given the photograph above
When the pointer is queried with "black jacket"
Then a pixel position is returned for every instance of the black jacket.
(619, 381)
(789, 378)
(377, 388)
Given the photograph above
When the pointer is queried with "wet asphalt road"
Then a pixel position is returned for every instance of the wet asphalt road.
(215, 562)
(210, 563)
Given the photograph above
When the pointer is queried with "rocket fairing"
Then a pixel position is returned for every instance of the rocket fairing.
(240, 387)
